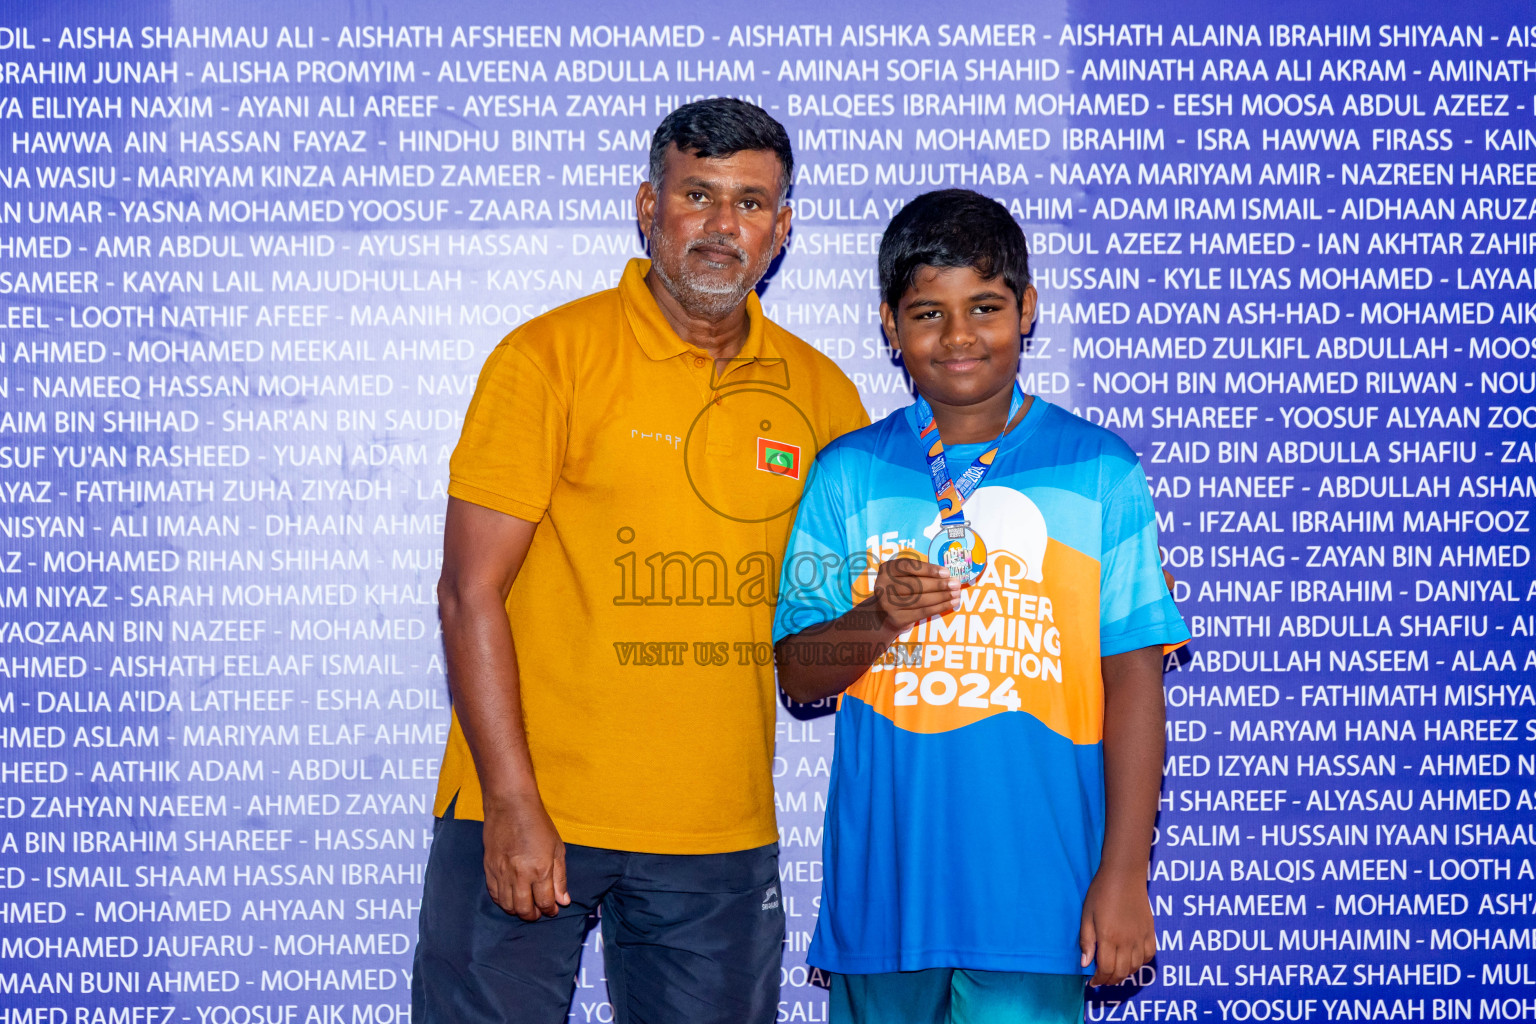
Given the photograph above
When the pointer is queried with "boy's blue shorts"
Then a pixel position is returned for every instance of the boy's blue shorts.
(951, 995)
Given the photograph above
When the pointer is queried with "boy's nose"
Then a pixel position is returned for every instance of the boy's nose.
(958, 333)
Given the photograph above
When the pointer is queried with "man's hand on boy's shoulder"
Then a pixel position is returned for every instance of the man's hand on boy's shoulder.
(1117, 928)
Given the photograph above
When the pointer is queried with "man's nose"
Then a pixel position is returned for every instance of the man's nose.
(723, 219)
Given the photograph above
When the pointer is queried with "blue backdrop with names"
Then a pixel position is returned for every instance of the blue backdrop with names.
(252, 257)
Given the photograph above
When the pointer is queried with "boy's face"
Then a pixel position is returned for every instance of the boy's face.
(958, 334)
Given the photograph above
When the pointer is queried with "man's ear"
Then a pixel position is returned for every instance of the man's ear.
(645, 208)
(781, 225)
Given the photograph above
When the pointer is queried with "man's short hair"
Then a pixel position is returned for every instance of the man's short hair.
(953, 227)
(721, 127)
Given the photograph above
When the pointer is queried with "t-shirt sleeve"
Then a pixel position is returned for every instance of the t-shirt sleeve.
(853, 416)
(1135, 608)
(512, 447)
(815, 584)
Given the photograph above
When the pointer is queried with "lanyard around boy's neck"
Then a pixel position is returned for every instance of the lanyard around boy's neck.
(951, 494)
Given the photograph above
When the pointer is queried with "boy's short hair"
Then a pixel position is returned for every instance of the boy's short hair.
(721, 127)
(953, 227)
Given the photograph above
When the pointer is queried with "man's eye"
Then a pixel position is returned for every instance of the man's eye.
(697, 196)
(749, 204)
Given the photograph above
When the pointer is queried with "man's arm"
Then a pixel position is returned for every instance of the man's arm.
(524, 857)
(825, 660)
(1117, 925)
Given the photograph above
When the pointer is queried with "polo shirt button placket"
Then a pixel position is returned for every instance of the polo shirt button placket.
(715, 427)
(701, 362)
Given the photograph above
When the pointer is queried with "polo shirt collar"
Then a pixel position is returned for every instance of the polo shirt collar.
(655, 335)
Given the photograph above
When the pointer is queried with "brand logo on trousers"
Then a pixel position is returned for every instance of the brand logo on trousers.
(771, 898)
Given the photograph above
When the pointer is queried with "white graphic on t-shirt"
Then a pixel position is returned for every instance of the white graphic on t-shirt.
(1005, 520)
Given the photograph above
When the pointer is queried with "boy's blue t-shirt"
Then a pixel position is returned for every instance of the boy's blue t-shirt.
(965, 814)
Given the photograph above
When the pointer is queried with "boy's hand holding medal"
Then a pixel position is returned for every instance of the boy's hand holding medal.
(909, 590)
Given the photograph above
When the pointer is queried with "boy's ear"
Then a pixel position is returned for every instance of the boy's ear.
(1027, 304)
(888, 321)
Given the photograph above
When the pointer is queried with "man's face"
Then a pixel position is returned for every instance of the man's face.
(958, 334)
(714, 225)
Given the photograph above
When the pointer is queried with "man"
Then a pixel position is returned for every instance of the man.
(619, 499)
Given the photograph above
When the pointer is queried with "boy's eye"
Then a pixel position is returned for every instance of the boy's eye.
(926, 314)
(985, 307)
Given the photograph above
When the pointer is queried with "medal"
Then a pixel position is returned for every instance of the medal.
(960, 550)
(958, 547)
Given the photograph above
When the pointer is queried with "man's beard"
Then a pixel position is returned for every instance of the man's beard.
(703, 295)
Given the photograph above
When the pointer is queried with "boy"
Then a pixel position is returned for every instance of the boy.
(978, 574)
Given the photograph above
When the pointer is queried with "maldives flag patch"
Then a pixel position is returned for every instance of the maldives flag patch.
(778, 458)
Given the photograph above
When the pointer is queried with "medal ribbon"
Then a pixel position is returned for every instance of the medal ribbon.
(951, 494)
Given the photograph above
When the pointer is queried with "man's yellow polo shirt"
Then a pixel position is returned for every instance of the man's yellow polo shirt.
(664, 493)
